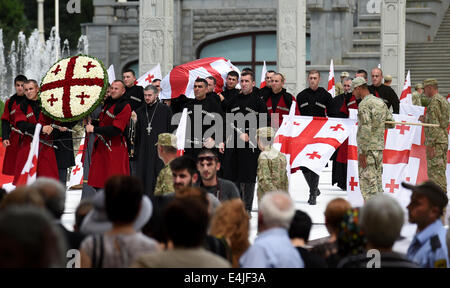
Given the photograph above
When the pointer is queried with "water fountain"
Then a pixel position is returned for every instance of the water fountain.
(32, 57)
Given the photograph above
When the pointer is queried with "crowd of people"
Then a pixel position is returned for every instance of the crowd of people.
(142, 202)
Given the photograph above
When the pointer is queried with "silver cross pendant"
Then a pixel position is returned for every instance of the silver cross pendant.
(149, 129)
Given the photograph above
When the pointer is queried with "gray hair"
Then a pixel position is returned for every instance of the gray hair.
(382, 219)
(153, 88)
(54, 202)
(277, 209)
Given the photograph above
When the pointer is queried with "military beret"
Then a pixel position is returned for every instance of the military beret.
(431, 190)
(418, 86)
(345, 74)
(167, 139)
(265, 132)
(358, 81)
(428, 82)
(388, 78)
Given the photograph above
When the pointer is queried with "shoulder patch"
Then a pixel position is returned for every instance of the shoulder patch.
(435, 243)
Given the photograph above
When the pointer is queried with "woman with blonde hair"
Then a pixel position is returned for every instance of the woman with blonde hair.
(231, 222)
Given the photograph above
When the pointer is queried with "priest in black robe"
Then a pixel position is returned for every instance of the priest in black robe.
(153, 118)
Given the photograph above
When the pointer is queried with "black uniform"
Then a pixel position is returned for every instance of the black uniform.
(318, 103)
(388, 95)
(208, 109)
(228, 94)
(65, 157)
(135, 96)
(240, 164)
(265, 92)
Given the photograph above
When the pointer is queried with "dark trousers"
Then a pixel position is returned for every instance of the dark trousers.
(247, 191)
(133, 168)
(312, 179)
(63, 176)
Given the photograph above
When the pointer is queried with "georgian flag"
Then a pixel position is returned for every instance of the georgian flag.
(29, 171)
(76, 176)
(147, 78)
(396, 156)
(406, 96)
(263, 76)
(181, 133)
(310, 141)
(181, 79)
(331, 87)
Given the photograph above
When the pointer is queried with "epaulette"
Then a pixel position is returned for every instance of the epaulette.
(435, 243)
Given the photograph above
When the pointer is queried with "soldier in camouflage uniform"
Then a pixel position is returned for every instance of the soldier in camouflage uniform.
(272, 174)
(339, 88)
(417, 95)
(372, 115)
(436, 138)
(167, 151)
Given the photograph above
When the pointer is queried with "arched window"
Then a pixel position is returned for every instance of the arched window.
(247, 50)
(133, 66)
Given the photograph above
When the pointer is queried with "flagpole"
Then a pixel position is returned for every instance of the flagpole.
(411, 123)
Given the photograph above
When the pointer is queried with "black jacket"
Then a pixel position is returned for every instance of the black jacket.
(317, 103)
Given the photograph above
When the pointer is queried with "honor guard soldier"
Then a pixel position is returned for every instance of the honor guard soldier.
(314, 101)
(372, 115)
(272, 174)
(436, 138)
(428, 247)
(110, 154)
(10, 137)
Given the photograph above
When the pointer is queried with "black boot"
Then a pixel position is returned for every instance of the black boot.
(312, 199)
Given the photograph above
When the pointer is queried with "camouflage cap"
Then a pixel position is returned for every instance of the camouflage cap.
(358, 81)
(418, 86)
(388, 78)
(345, 74)
(428, 82)
(265, 132)
(167, 139)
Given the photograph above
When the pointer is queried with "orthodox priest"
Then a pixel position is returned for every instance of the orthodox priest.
(153, 118)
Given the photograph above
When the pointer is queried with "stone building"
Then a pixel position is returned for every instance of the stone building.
(244, 31)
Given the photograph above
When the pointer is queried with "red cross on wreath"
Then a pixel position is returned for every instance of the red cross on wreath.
(89, 66)
(82, 96)
(52, 99)
(69, 82)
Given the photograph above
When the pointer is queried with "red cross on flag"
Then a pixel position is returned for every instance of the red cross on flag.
(331, 87)
(263, 76)
(76, 176)
(147, 78)
(396, 155)
(406, 96)
(181, 79)
(29, 171)
(310, 141)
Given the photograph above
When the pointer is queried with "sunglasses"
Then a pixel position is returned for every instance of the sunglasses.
(207, 158)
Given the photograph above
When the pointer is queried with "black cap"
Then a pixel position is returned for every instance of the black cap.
(431, 190)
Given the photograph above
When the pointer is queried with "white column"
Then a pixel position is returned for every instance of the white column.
(57, 16)
(41, 20)
(291, 43)
(393, 22)
(156, 35)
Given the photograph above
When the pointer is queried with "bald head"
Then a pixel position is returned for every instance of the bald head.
(275, 210)
(377, 77)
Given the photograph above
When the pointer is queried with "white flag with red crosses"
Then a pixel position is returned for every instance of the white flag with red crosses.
(311, 141)
(396, 153)
(147, 78)
(76, 175)
(29, 170)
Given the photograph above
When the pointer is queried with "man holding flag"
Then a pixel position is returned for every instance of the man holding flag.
(314, 101)
(372, 115)
(436, 138)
